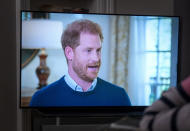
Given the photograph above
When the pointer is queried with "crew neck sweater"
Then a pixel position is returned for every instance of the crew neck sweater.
(59, 94)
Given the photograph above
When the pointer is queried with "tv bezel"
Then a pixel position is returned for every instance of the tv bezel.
(94, 110)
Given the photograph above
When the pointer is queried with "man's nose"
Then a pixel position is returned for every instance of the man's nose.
(96, 56)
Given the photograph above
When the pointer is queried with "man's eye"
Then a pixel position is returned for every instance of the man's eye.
(89, 50)
(99, 50)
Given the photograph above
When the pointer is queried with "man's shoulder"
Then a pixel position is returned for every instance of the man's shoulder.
(108, 84)
(118, 93)
(51, 87)
(42, 96)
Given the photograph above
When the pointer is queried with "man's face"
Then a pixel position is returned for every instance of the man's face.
(87, 57)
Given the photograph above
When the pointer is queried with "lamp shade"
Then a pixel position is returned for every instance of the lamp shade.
(41, 34)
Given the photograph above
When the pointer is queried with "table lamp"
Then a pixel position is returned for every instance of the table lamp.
(42, 34)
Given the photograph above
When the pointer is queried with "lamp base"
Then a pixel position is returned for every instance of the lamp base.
(42, 71)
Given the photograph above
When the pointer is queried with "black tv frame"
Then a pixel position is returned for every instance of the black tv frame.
(94, 110)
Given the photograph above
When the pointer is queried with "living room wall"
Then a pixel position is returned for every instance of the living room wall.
(10, 113)
(8, 88)
(144, 7)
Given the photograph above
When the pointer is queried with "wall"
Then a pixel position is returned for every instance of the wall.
(182, 9)
(8, 88)
(8, 91)
(144, 7)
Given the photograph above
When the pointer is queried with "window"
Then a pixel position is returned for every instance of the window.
(158, 39)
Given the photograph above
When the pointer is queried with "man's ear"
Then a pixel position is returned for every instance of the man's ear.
(69, 53)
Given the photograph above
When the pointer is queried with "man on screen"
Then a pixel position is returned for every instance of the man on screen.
(82, 43)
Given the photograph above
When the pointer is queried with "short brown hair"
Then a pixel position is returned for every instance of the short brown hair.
(71, 35)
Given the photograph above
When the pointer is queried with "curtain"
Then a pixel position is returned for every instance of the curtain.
(137, 61)
(128, 60)
(119, 48)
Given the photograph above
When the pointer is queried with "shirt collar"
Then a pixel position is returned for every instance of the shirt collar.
(75, 86)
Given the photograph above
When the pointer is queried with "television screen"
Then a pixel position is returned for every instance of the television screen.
(96, 60)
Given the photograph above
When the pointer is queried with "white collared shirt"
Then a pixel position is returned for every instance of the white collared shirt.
(75, 86)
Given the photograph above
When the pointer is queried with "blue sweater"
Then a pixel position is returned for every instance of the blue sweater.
(60, 94)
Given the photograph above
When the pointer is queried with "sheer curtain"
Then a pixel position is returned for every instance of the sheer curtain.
(137, 61)
(127, 61)
(119, 50)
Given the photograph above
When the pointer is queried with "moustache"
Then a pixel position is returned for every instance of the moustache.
(97, 64)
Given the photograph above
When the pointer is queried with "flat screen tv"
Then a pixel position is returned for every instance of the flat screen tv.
(122, 66)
